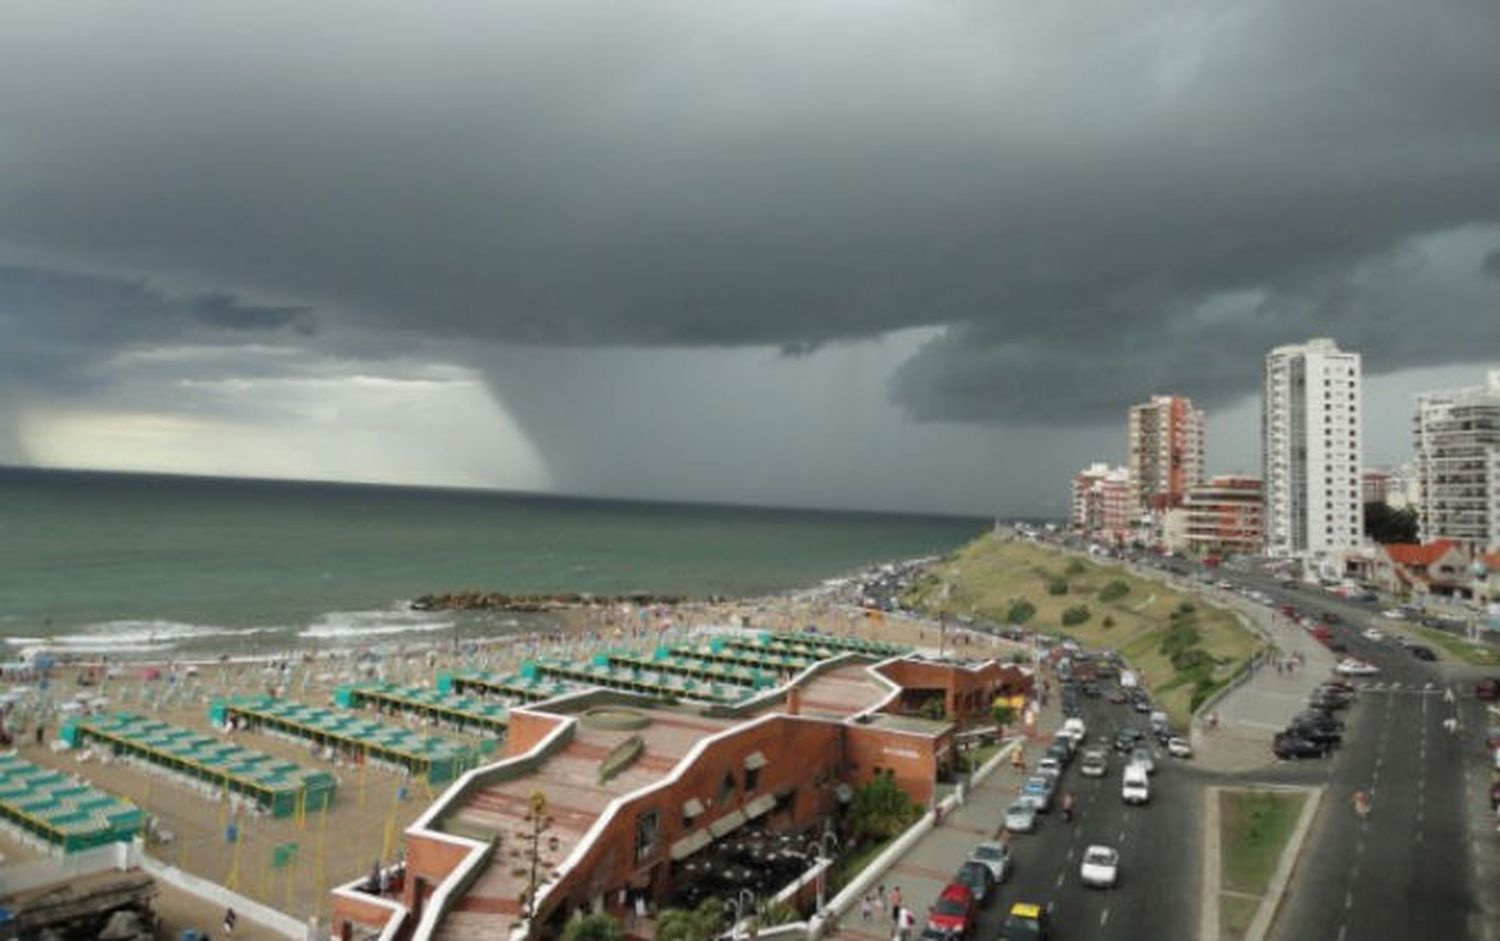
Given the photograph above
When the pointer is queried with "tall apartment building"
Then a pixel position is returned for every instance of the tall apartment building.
(1310, 410)
(1458, 464)
(1166, 451)
(1103, 504)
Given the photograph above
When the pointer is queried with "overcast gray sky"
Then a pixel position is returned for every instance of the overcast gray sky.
(868, 253)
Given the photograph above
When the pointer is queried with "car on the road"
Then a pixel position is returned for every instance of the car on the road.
(980, 880)
(1075, 730)
(1126, 739)
(1141, 755)
(1393, 614)
(1026, 921)
(1332, 617)
(995, 855)
(1095, 763)
(1118, 696)
(1423, 652)
(1101, 867)
(1038, 790)
(1287, 746)
(1135, 786)
(1020, 817)
(1179, 747)
(1319, 734)
(1338, 646)
(1487, 689)
(1050, 767)
(1092, 690)
(954, 910)
(1351, 666)
(1322, 720)
(1373, 635)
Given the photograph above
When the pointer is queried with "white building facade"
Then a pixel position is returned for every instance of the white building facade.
(1458, 465)
(1311, 445)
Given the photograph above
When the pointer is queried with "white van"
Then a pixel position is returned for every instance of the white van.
(1074, 728)
(1136, 787)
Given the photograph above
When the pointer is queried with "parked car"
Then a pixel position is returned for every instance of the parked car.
(1050, 767)
(954, 910)
(1092, 690)
(979, 879)
(1350, 666)
(1372, 635)
(1423, 652)
(1095, 763)
(1287, 746)
(1038, 790)
(1321, 735)
(1179, 747)
(1118, 696)
(1488, 689)
(1020, 817)
(1101, 867)
(995, 855)
(1393, 614)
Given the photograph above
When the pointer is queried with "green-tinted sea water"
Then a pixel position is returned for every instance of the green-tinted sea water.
(140, 563)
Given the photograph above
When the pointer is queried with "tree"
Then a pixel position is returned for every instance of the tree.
(1386, 525)
(881, 809)
(599, 927)
(1003, 713)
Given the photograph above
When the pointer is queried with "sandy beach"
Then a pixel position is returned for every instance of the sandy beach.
(365, 822)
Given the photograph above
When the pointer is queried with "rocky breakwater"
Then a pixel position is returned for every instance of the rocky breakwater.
(500, 601)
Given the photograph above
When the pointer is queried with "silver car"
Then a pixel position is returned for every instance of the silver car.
(1020, 817)
(1095, 763)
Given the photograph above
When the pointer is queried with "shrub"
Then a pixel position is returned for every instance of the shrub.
(1002, 713)
(1186, 607)
(1075, 567)
(1057, 587)
(1179, 637)
(1075, 615)
(597, 927)
(1020, 612)
(1114, 591)
(1108, 622)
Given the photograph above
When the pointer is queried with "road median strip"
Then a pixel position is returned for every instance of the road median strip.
(1255, 836)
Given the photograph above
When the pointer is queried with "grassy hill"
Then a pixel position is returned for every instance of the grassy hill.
(1186, 649)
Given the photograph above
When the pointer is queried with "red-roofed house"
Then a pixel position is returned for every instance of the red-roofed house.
(1440, 567)
(1487, 585)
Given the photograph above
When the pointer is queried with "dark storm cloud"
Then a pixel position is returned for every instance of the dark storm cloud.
(1070, 189)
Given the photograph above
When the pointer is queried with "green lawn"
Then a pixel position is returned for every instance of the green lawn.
(1235, 914)
(996, 578)
(853, 863)
(1477, 654)
(1253, 829)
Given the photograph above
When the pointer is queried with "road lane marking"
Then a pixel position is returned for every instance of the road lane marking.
(1070, 854)
(1343, 931)
(1349, 899)
(1104, 918)
(1059, 880)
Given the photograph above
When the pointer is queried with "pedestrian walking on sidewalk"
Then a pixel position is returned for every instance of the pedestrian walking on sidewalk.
(867, 906)
(896, 905)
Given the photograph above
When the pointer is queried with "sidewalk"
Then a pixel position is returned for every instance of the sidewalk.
(930, 864)
(1250, 714)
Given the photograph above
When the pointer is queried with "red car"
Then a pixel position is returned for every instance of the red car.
(1487, 689)
(954, 911)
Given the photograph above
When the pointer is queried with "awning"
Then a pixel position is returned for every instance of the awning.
(761, 805)
(690, 844)
(844, 793)
(755, 761)
(692, 807)
(728, 823)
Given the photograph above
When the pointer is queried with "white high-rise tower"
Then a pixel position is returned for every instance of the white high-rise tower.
(1458, 464)
(1311, 449)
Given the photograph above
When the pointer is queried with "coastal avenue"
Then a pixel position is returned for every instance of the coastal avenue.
(1413, 868)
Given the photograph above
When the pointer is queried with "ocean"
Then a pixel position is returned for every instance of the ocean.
(136, 564)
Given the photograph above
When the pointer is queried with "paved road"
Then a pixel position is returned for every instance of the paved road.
(1158, 843)
(1411, 869)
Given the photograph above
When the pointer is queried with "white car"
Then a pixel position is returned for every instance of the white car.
(1049, 766)
(1074, 729)
(1179, 747)
(1349, 666)
(1371, 634)
(1393, 614)
(995, 857)
(1141, 756)
(1101, 867)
